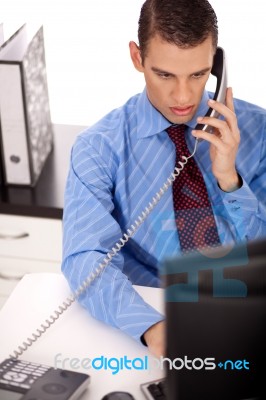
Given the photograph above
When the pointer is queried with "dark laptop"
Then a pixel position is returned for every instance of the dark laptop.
(215, 306)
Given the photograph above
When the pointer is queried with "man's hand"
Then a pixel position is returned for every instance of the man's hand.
(224, 142)
(155, 339)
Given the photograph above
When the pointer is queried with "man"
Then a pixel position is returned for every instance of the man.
(120, 163)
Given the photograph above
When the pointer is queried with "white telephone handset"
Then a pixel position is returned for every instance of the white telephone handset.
(220, 71)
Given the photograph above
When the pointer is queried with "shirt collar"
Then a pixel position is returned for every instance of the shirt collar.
(151, 121)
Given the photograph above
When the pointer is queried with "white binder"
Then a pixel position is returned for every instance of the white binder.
(26, 128)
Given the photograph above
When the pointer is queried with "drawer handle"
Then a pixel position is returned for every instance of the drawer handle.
(15, 277)
(8, 236)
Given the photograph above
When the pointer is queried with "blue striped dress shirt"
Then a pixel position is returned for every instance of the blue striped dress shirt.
(116, 167)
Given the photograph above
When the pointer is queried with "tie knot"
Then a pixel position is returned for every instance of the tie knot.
(177, 135)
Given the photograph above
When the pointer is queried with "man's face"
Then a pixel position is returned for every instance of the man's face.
(175, 78)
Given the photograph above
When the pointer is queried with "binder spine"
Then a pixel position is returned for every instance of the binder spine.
(13, 126)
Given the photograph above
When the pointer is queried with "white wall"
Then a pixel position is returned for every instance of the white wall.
(89, 69)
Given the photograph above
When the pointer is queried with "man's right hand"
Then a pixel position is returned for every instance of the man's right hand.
(155, 339)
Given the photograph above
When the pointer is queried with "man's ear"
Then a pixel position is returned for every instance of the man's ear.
(135, 56)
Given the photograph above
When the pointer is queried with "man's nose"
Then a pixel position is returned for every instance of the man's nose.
(181, 93)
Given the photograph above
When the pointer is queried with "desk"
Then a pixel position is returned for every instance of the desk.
(75, 335)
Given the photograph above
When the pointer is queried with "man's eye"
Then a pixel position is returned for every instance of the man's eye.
(199, 75)
(164, 75)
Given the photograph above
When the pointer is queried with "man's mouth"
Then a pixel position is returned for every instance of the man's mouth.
(181, 111)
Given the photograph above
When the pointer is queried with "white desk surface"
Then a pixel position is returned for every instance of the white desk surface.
(75, 335)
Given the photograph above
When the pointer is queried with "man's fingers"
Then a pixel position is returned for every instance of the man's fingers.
(230, 100)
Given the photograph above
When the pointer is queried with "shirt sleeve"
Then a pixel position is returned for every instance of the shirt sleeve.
(246, 206)
(89, 234)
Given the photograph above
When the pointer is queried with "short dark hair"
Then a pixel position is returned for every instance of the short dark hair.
(186, 23)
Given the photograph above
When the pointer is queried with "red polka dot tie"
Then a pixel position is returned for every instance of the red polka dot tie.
(193, 212)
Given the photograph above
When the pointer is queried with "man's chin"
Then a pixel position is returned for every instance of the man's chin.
(181, 119)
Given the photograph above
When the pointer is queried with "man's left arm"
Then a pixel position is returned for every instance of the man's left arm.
(246, 211)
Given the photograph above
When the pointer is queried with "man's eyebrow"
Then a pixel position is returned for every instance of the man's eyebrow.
(202, 71)
(161, 71)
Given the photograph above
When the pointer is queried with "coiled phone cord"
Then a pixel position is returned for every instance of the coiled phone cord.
(117, 247)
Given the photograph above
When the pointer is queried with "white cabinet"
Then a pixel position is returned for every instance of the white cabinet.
(31, 218)
(27, 244)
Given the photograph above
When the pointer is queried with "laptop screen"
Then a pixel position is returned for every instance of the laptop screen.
(216, 324)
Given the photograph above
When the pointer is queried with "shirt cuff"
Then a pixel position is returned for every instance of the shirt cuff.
(239, 201)
(138, 328)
